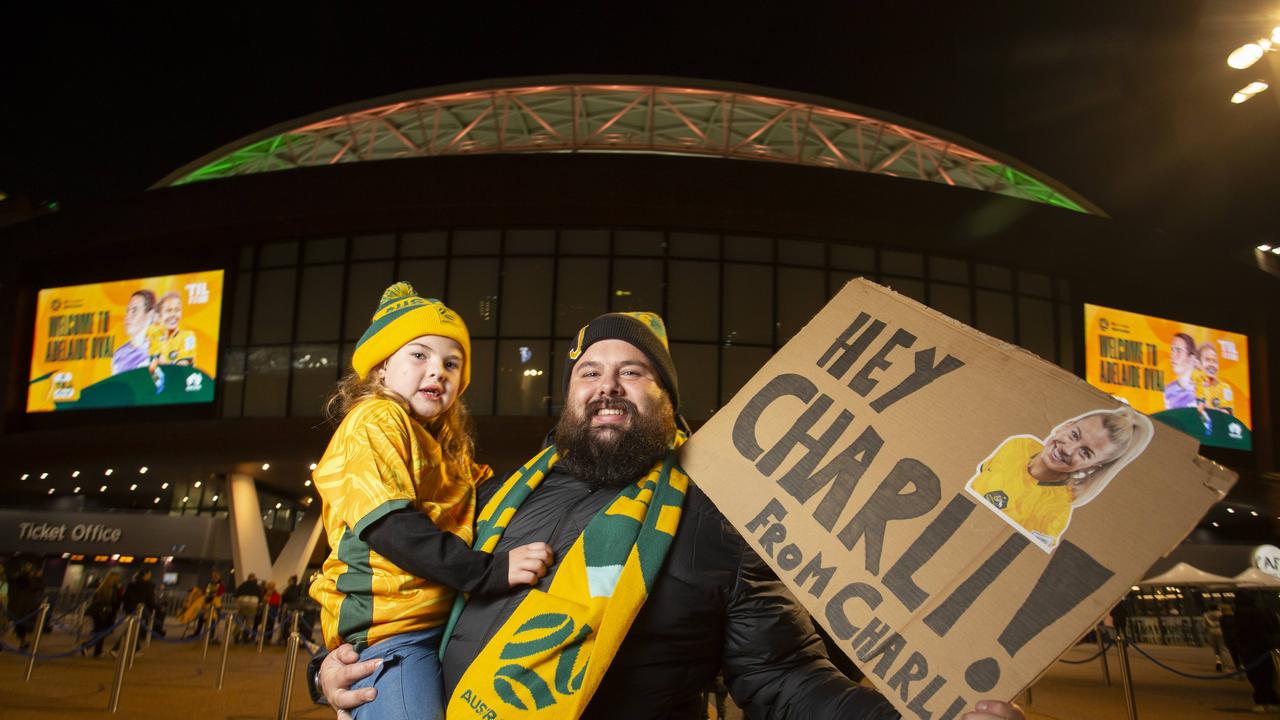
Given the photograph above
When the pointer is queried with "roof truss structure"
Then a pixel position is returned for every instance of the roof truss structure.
(634, 119)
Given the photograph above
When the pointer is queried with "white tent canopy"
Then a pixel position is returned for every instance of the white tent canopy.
(1253, 577)
(1183, 574)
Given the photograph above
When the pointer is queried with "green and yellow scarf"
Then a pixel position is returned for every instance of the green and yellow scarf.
(549, 657)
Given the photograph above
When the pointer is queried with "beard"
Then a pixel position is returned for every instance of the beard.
(609, 457)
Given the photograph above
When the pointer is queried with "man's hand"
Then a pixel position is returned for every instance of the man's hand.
(527, 563)
(338, 672)
(994, 710)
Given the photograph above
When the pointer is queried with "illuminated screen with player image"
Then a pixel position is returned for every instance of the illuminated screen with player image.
(126, 343)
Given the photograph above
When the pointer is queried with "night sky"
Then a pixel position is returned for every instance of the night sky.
(1125, 102)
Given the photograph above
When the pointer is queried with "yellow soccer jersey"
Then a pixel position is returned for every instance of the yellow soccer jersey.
(1003, 481)
(381, 460)
(1217, 396)
(172, 349)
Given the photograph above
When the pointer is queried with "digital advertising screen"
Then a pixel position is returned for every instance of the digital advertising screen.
(127, 343)
(1193, 378)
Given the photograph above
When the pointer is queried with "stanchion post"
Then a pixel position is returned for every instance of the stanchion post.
(1101, 632)
(210, 627)
(118, 682)
(35, 643)
(226, 648)
(1027, 699)
(1126, 675)
(262, 625)
(80, 611)
(133, 639)
(290, 667)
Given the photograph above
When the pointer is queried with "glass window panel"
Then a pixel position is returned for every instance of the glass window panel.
(748, 247)
(324, 250)
(365, 284)
(693, 300)
(479, 397)
(527, 291)
(1035, 327)
(913, 289)
(637, 242)
(584, 242)
(894, 262)
(1066, 338)
(1034, 284)
(266, 384)
(473, 293)
(696, 368)
(373, 247)
(738, 364)
(995, 314)
(524, 377)
(348, 350)
(240, 310)
(531, 242)
(695, 245)
(232, 372)
(637, 285)
(320, 299)
(273, 306)
(246, 257)
(853, 257)
(951, 300)
(840, 278)
(559, 350)
(801, 252)
(748, 304)
(420, 244)
(949, 269)
(278, 254)
(315, 370)
(426, 276)
(801, 294)
(582, 292)
(475, 242)
(990, 276)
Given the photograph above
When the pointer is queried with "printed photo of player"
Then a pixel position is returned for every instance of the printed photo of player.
(1034, 484)
(139, 315)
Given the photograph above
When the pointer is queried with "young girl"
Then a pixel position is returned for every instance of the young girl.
(398, 483)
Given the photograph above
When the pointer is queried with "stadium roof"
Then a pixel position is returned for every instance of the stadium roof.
(665, 116)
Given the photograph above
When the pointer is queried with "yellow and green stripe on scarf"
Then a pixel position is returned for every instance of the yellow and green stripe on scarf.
(549, 657)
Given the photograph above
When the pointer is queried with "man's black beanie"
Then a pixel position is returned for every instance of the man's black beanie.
(645, 330)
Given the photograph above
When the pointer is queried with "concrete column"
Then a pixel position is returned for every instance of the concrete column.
(302, 542)
(248, 536)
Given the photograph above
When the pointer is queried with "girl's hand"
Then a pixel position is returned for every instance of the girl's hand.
(527, 563)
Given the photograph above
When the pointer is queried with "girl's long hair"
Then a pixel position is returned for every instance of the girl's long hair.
(453, 428)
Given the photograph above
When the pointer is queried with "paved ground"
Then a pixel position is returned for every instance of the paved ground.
(170, 681)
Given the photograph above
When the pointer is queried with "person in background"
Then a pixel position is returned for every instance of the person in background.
(213, 592)
(248, 599)
(1213, 633)
(25, 591)
(103, 609)
(140, 592)
(272, 597)
(290, 602)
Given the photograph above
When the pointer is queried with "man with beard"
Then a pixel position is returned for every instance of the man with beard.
(650, 590)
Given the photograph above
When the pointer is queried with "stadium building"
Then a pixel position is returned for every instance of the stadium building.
(530, 206)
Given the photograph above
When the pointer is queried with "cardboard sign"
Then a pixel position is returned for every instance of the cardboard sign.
(954, 510)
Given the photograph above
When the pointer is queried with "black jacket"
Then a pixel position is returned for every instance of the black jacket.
(716, 604)
(139, 592)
